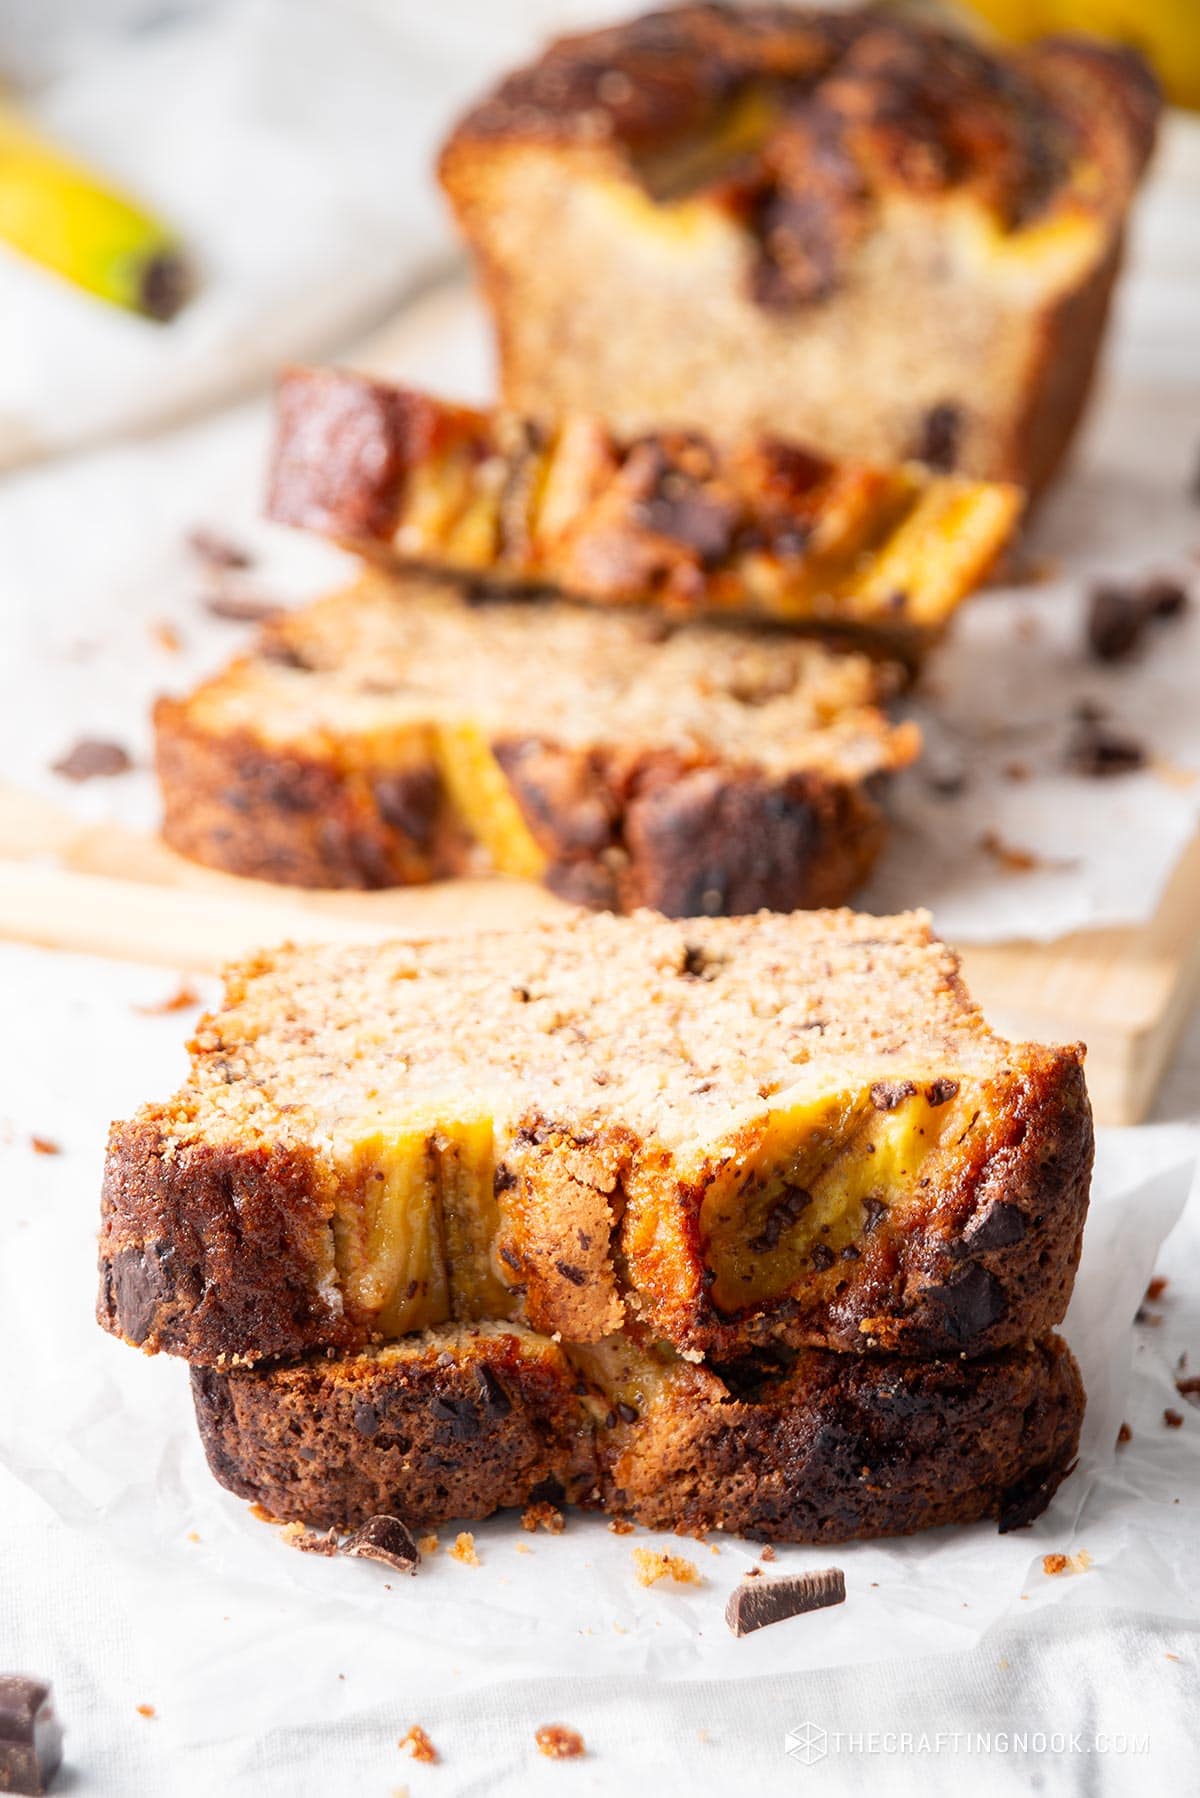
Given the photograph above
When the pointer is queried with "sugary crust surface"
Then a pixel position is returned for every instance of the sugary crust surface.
(890, 104)
(754, 528)
(691, 768)
(460, 1424)
(668, 1106)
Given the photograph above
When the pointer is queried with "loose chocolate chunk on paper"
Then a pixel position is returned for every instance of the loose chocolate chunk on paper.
(756, 1603)
(385, 1539)
(92, 759)
(30, 1734)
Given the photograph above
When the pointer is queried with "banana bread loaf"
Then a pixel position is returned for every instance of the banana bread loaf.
(729, 1131)
(759, 527)
(459, 1422)
(844, 227)
(398, 733)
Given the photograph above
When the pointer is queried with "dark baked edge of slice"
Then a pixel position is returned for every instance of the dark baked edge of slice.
(834, 1448)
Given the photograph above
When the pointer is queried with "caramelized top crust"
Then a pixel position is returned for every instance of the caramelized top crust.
(803, 121)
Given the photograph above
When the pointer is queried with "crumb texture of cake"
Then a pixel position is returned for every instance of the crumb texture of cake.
(729, 1132)
(398, 733)
(768, 180)
(760, 527)
(460, 1422)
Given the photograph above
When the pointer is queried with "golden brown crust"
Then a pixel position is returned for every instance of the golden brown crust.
(829, 1449)
(937, 1211)
(862, 105)
(617, 822)
(755, 528)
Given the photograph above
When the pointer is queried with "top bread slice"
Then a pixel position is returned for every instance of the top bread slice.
(845, 226)
(725, 1131)
(759, 528)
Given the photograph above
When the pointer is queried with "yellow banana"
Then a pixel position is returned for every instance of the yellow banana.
(1167, 32)
(59, 214)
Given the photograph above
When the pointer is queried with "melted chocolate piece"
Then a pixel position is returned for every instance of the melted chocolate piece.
(30, 1734)
(385, 1539)
(756, 1603)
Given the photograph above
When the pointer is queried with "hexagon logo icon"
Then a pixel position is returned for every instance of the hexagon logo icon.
(807, 1744)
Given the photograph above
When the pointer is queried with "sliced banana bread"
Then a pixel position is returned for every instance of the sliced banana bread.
(845, 227)
(792, 1128)
(759, 527)
(398, 732)
(458, 1422)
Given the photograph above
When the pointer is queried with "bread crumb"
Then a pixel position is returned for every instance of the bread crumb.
(1124, 1435)
(543, 1516)
(418, 1747)
(193, 1536)
(428, 1545)
(262, 1513)
(146, 1710)
(464, 1549)
(309, 1542)
(766, 1552)
(1156, 1288)
(1058, 1563)
(558, 1743)
(523, 1548)
(182, 999)
(621, 1526)
(1173, 1419)
(652, 1565)
(44, 1145)
(166, 636)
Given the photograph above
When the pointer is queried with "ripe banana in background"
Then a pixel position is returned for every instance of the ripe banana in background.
(59, 214)
(1167, 32)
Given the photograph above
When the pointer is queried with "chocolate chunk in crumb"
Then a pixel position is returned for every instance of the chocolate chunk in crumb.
(999, 1227)
(941, 429)
(973, 1300)
(385, 1539)
(754, 1605)
(941, 1091)
(887, 1094)
(92, 758)
(30, 1734)
(1098, 751)
(496, 1401)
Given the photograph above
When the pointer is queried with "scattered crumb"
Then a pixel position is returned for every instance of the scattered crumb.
(216, 550)
(182, 999)
(621, 1526)
(523, 1548)
(145, 1710)
(1156, 1288)
(1124, 1435)
(167, 637)
(653, 1565)
(464, 1549)
(417, 1745)
(754, 1572)
(309, 1542)
(1168, 1656)
(713, 1549)
(1099, 752)
(1076, 1563)
(1173, 1419)
(1016, 771)
(1172, 774)
(1012, 859)
(428, 1545)
(766, 1552)
(558, 1743)
(1119, 614)
(262, 1513)
(1189, 1388)
(45, 1145)
(543, 1516)
(193, 1535)
(92, 758)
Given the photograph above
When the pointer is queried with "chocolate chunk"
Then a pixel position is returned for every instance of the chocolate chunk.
(503, 1180)
(233, 608)
(1098, 751)
(575, 1275)
(91, 758)
(754, 1604)
(627, 1413)
(216, 550)
(366, 1419)
(1164, 598)
(973, 1300)
(997, 1228)
(385, 1539)
(693, 519)
(887, 1094)
(496, 1401)
(30, 1734)
(821, 1257)
(937, 444)
(873, 1210)
(1029, 1498)
(941, 1091)
(138, 1283)
(782, 1215)
(1115, 621)
(460, 1414)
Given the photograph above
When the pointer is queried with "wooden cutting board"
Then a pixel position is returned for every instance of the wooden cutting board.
(1125, 992)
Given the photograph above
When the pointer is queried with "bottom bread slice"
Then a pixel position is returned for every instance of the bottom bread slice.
(461, 1422)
